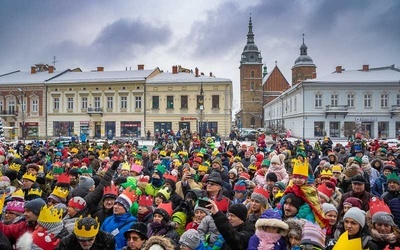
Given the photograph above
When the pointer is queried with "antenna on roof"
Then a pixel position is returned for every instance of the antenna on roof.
(276, 63)
(54, 61)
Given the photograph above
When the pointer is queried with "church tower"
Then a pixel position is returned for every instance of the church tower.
(304, 67)
(251, 91)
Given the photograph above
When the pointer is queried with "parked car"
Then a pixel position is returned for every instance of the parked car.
(248, 135)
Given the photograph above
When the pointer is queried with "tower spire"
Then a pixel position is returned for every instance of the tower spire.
(303, 48)
(250, 34)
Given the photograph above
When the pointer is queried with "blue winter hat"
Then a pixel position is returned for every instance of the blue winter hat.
(272, 218)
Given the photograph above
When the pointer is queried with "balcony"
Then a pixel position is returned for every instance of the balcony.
(336, 110)
(11, 113)
(95, 111)
(395, 110)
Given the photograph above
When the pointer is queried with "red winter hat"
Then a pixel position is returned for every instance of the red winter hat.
(77, 202)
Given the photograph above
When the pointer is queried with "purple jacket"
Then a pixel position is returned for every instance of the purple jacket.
(255, 241)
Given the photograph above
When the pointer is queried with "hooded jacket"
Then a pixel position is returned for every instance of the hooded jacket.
(103, 241)
(162, 241)
(122, 223)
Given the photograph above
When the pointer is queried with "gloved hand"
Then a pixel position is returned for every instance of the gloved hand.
(115, 165)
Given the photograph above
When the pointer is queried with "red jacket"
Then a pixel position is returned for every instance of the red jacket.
(14, 231)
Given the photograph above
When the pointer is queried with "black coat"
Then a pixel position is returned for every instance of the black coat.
(103, 241)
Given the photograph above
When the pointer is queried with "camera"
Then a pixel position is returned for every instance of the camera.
(203, 202)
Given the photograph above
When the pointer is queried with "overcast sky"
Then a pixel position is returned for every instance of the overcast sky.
(208, 34)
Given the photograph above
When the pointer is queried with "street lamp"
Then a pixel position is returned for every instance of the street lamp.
(22, 113)
(201, 107)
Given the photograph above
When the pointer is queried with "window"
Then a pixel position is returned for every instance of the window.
(170, 102)
(215, 101)
(138, 102)
(84, 102)
(1, 106)
(184, 102)
(350, 100)
(384, 100)
(35, 105)
(318, 100)
(319, 129)
(156, 102)
(70, 104)
(110, 101)
(334, 130)
(97, 102)
(56, 103)
(398, 100)
(295, 104)
(252, 86)
(11, 107)
(334, 100)
(367, 100)
(124, 102)
(252, 74)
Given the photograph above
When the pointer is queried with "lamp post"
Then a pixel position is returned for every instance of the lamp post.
(22, 113)
(201, 107)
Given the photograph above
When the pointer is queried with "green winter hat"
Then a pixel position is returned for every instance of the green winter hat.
(134, 209)
(130, 182)
(160, 169)
(57, 170)
(144, 149)
(266, 162)
(393, 177)
(358, 159)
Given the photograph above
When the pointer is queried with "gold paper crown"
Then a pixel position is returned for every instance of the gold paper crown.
(15, 167)
(50, 214)
(326, 173)
(300, 168)
(18, 194)
(82, 232)
(50, 176)
(29, 176)
(59, 192)
(35, 191)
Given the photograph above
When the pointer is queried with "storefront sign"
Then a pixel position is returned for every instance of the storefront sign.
(84, 123)
(366, 119)
(188, 118)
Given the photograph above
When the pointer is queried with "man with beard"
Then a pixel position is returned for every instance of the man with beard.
(110, 194)
(358, 191)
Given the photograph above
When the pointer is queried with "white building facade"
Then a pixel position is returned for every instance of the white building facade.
(340, 104)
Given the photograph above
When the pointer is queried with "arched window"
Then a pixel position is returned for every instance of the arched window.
(252, 74)
(252, 86)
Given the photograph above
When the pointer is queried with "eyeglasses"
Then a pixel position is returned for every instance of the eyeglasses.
(9, 212)
(134, 238)
(85, 239)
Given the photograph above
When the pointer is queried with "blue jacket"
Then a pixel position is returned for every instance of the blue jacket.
(379, 186)
(120, 222)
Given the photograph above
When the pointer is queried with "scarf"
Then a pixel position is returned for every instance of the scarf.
(267, 240)
(157, 228)
(157, 182)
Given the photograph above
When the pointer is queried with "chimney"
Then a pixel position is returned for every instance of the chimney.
(196, 70)
(338, 69)
(174, 69)
(314, 75)
(33, 70)
(211, 74)
(140, 66)
(51, 69)
(100, 68)
(365, 67)
(202, 73)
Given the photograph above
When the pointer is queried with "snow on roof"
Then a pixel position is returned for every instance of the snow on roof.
(102, 76)
(167, 77)
(24, 77)
(383, 74)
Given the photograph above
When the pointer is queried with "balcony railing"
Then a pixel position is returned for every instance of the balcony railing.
(8, 113)
(95, 111)
(336, 110)
(395, 110)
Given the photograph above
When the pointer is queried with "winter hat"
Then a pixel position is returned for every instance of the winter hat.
(353, 201)
(326, 165)
(358, 179)
(313, 234)
(293, 199)
(325, 191)
(239, 210)
(127, 197)
(383, 217)
(190, 238)
(51, 219)
(35, 205)
(296, 226)
(233, 171)
(205, 210)
(272, 218)
(77, 203)
(275, 159)
(86, 182)
(351, 171)
(356, 214)
(253, 158)
(393, 177)
(357, 160)
(165, 210)
(139, 228)
(240, 187)
(280, 185)
(215, 177)
(272, 177)
(327, 207)
(266, 163)
(218, 161)
(261, 195)
(15, 206)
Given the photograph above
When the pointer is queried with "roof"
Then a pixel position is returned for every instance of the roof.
(182, 77)
(382, 74)
(102, 76)
(25, 77)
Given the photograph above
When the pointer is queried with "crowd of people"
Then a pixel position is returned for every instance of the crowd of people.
(194, 195)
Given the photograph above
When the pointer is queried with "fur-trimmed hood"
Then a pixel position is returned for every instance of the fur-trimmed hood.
(296, 225)
(161, 241)
(273, 223)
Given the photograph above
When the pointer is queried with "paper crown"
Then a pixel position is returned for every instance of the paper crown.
(110, 191)
(262, 191)
(29, 176)
(86, 170)
(44, 240)
(49, 176)
(166, 206)
(59, 192)
(14, 166)
(35, 191)
(64, 178)
(126, 166)
(336, 168)
(86, 231)
(77, 202)
(129, 194)
(183, 153)
(165, 191)
(50, 214)
(163, 153)
(18, 195)
(144, 179)
(145, 200)
(300, 168)
(378, 205)
(326, 173)
(136, 168)
(203, 168)
(171, 177)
